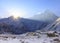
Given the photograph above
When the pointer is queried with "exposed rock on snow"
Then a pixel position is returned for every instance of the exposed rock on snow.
(31, 37)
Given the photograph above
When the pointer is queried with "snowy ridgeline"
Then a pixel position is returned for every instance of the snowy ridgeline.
(32, 37)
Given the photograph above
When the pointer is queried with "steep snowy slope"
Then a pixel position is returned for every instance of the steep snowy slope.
(54, 26)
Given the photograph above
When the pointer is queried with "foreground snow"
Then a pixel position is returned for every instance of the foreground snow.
(29, 39)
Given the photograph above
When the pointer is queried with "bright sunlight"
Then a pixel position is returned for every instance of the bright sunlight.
(16, 13)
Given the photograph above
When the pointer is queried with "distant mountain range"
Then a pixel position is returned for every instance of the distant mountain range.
(23, 25)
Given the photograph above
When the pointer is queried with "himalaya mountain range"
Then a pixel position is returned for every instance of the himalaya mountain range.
(44, 21)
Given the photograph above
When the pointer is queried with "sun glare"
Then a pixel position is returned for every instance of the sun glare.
(15, 16)
(14, 13)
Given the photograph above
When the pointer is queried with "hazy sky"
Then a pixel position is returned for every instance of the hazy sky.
(28, 8)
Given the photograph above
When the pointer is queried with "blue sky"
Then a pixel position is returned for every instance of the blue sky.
(28, 8)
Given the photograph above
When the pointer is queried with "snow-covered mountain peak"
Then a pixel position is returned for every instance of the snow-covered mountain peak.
(46, 16)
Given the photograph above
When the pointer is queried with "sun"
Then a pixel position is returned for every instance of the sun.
(16, 14)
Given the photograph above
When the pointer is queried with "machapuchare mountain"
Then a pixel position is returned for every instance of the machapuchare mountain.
(46, 16)
(22, 25)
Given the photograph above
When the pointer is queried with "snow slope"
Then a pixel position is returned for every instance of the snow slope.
(24, 38)
(55, 26)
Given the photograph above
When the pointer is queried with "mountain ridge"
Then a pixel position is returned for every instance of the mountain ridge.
(23, 25)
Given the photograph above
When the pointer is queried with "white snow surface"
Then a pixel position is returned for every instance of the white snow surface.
(28, 39)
